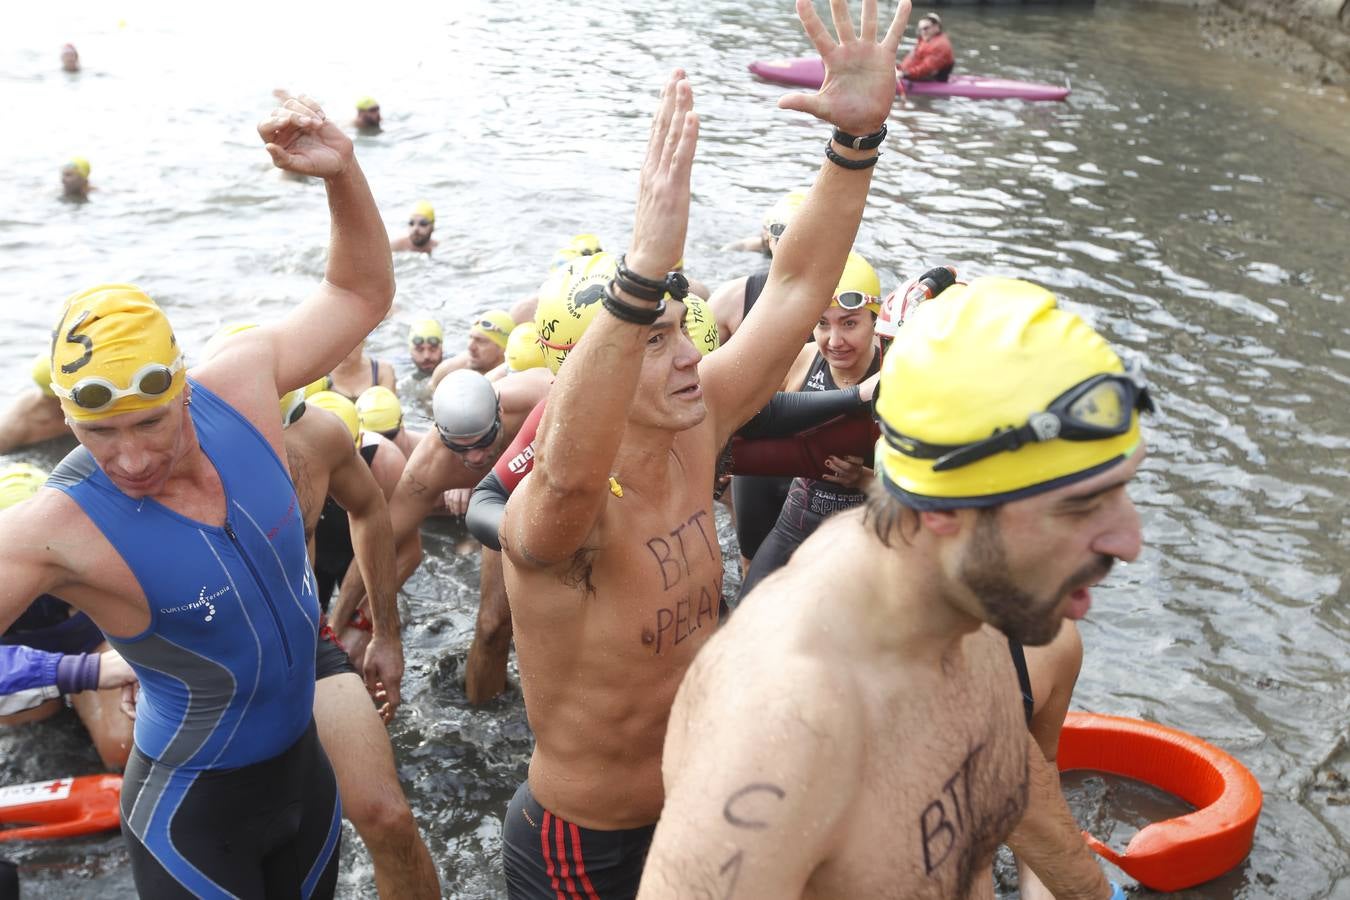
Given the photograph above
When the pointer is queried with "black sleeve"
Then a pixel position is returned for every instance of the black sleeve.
(486, 505)
(790, 412)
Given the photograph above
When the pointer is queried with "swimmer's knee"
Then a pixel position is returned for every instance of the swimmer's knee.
(382, 816)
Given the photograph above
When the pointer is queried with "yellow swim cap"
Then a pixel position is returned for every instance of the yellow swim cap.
(322, 383)
(425, 328)
(18, 482)
(378, 409)
(425, 210)
(523, 350)
(496, 325)
(981, 359)
(781, 213)
(585, 244)
(80, 164)
(580, 245)
(107, 337)
(701, 325)
(42, 373)
(858, 278)
(339, 406)
(367, 103)
(568, 303)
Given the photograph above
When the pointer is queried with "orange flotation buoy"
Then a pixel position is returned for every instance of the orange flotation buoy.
(1187, 850)
(63, 807)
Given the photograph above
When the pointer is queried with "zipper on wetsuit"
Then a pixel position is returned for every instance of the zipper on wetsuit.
(267, 598)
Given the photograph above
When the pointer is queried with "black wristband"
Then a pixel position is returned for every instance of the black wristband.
(674, 284)
(865, 142)
(852, 164)
(637, 315)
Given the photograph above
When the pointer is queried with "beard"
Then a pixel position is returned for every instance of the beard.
(1008, 606)
(420, 240)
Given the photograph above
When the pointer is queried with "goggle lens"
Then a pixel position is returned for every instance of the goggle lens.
(1103, 406)
(777, 229)
(96, 394)
(853, 300)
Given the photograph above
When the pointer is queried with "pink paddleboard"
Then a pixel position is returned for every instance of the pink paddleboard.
(809, 71)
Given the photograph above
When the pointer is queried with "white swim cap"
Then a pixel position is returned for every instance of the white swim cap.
(464, 406)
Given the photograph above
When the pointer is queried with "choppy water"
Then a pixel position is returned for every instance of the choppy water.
(1195, 206)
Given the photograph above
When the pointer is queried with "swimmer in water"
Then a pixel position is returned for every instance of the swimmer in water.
(486, 349)
(35, 414)
(426, 346)
(475, 421)
(611, 556)
(70, 58)
(239, 745)
(974, 534)
(75, 179)
(421, 223)
(367, 119)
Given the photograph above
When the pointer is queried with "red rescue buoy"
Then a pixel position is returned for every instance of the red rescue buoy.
(1187, 850)
(64, 807)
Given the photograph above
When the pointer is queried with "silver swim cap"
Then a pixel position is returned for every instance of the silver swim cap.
(464, 406)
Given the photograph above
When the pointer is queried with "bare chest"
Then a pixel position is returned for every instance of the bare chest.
(945, 783)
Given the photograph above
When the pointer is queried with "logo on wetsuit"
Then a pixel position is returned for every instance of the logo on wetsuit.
(521, 460)
(203, 601)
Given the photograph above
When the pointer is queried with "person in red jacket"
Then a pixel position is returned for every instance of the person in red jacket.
(931, 59)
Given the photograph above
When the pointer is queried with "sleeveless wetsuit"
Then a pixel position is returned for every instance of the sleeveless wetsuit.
(809, 500)
(227, 791)
(333, 551)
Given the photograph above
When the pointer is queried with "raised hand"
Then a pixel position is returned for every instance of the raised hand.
(859, 83)
(662, 215)
(301, 139)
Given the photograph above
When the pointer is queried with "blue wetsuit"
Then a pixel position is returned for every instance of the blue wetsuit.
(224, 719)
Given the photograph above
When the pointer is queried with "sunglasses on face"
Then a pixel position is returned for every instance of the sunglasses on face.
(1098, 408)
(95, 393)
(419, 341)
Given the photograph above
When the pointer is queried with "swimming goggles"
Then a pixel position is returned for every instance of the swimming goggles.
(95, 394)
(489, 325)
(481, 443)
(777, 229)
(1096, 409)
(418, 340)
(852, 300)
(422, 222)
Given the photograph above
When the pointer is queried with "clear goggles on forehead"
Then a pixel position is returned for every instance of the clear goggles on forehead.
(1096, 409)
(96, 393)
(852, 300)
(481, 443)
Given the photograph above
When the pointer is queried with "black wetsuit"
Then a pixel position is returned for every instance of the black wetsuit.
(333, 551)
(756, 498)
(809, 500)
